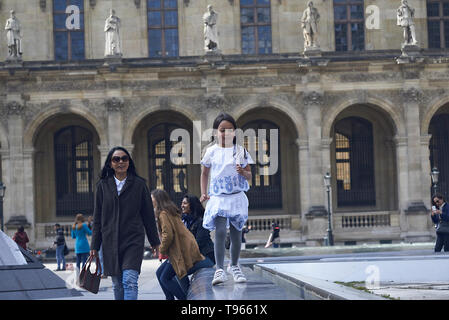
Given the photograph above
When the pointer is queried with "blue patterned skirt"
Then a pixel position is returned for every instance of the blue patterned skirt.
(234, 207)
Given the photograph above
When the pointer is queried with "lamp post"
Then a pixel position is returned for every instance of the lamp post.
(2, 194)
(434, 175)
(327, 183)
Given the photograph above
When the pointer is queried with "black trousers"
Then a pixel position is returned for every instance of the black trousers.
(442, 241)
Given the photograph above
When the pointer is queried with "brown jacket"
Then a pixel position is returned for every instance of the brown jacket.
(178, 243)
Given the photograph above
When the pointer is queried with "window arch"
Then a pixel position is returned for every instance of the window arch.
(439, 149)
(73, 171)
(164, 174)
(265, 190)
(354, 154)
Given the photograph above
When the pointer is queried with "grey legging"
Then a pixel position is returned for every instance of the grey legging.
(220, 238)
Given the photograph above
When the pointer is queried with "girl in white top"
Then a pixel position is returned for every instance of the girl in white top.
(228, 166)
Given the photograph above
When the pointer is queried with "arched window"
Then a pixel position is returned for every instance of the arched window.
(439, 149)
(164, 174)
(73, 171)
(354, 155)
(265, 189)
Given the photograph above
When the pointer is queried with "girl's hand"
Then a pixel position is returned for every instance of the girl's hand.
(204, 197)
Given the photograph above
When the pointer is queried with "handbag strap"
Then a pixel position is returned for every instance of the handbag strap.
(97, 262)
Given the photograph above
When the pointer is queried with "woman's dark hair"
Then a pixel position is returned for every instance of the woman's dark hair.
(21, 229)
(164, 203)
(196, 208)
(107, 170)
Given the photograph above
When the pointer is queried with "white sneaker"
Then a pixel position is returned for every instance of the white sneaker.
(237, 274)
(219, 277)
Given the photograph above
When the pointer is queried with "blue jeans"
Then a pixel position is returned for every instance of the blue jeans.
(125, 285)
(60, 258)
(171, 285)
(81, 258)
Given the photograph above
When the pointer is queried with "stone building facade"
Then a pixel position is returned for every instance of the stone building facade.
(368, 118)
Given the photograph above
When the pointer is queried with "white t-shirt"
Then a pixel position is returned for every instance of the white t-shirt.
(223, 172)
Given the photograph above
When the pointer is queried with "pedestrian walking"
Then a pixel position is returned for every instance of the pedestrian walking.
(123, 213)
(21, 237)
(80, 231)
(274, 239)
(440, 216)
(179, 244)
(228, 166)
(59, 243)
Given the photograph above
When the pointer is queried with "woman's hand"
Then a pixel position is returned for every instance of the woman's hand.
(204, 197)
(245, 172)
(155, 251)
(94, 253)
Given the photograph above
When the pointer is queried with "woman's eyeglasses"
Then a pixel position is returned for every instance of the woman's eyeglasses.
(117, 159)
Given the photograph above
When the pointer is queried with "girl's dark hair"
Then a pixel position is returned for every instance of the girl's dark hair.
(196, 208)
(223, 116)
(107, 170)
(164, 203)
(21, 229)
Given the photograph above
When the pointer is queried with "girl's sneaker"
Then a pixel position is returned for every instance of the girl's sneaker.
(237, 274)
(219, 277)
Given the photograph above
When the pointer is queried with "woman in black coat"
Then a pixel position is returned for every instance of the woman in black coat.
(123, 213)
(440, 216)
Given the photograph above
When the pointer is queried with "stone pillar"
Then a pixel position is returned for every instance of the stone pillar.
(18, 168)
(114, 108)
(414, 218)
(316, 215)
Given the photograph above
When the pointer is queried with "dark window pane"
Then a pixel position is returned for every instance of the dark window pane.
(446, 33)
(154, 43)
(247, 15)
(154, 4)
(340, 1)
(340, 13)
(246, 2)
(263, 15)
(77, 40)
(263, 2)
(171, 42)
(433, 28)
(358, 36)
(78, 3)
(154, 18)
(248, 43)
(341, 38)
(171, 18)
(446, 9)
(356, 12)
(433, 9)
(59, 5)
(59, 21)
(264, 34)
(170, 3)
(61, 46)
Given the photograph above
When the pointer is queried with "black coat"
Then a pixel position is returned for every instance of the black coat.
(120, 223)
(202, 237)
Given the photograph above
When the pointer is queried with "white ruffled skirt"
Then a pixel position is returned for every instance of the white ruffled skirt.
(234, 207)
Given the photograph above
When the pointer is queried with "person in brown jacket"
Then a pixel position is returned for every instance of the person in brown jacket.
(178, 243)
(21, 237)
